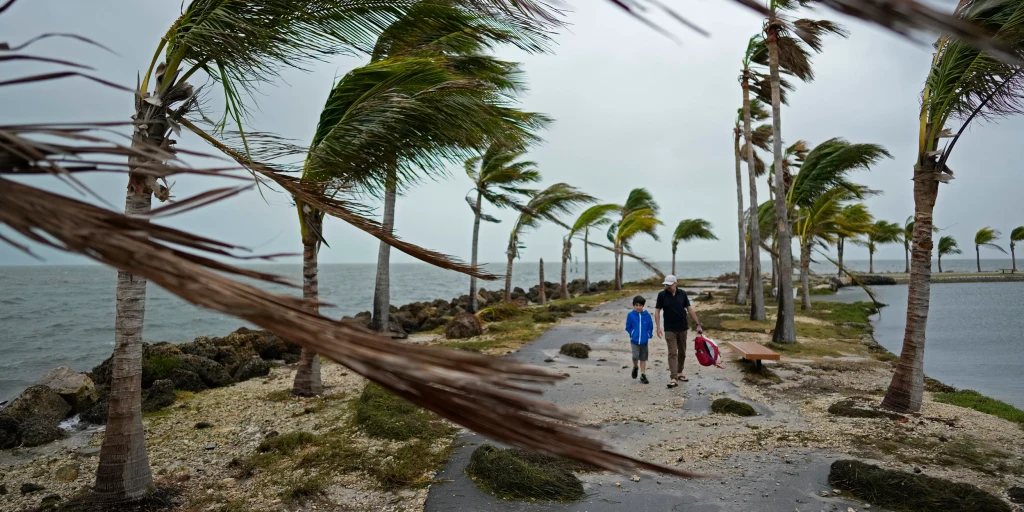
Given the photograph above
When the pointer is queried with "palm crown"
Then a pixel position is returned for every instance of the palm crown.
(499, 175)
(948, 245)
(691, 229)
(1016, 235)
(986, 237)
(548, 204)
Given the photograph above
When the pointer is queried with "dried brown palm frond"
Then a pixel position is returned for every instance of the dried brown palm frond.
(457, 385)
(314, 194)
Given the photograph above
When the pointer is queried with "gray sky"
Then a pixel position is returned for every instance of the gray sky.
(632, 109)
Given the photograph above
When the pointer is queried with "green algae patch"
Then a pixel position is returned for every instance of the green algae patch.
(577, 350)
(730, 406)
(514, 474)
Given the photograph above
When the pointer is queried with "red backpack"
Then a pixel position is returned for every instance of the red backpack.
(706, 350)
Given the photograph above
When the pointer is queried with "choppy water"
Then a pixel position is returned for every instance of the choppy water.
(53, 315)
(975, 334)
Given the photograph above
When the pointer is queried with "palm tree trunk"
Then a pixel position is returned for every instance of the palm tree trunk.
(541, 297)
(741, 281)
(757, 312)
(616, 283)
(785, 328)
(1013, 257)
(907, 386)
(805, 276)
(586, 261)
(977, 253)
(906, 256)
(940, 263)
(382, 288)
(511, 253)
(307, 376)
(123, 473)
(673, 262)
(871, 262)
(775, 272)
(839, 249)
(473, 303)
(563, 289)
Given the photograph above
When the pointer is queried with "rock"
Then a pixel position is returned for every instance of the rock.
(406, 320)
(202, 424)
(158, 396)
(874, 280)
(36, 432)
(50, 502)
(3, 490)
(67, 473)
(77, 389)
(29, 488)
(252, 367)
(37, 410)
(823, 494)
(635, 478)
(231, 358)
(201, 346)
(463, 326)
(210, 446)
(425, 314)
(577, 350)
(186, 380)
(10, 432)
(97, 413)
(395, 328)
(228, 482)
(212, 373)
(90, 451)
(1016, 494)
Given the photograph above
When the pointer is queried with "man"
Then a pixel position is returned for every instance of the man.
(676, 304)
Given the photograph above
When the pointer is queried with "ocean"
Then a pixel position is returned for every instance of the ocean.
(64, 315)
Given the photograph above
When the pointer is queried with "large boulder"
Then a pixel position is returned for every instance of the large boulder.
(97, 413)
(876, 280)
(201, 346)
(187, 380)
(252, 367)
(212, 373)
(10, 432)
(407, 321)
(426, 314)
(465, 325)
(38, 403)
(158, 396)
(77, 389)
(37, 431)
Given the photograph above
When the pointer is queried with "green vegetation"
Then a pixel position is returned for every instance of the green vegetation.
(513, 474)
(545, 317)
(301, 488)
(974, 400)
(286, 444)
(577, 350)
(381, 414)
(909, 492)
(730, 406)
(159, 367)
(964, 452)
(500, 312)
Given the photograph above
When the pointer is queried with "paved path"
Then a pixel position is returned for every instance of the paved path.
(649, 421)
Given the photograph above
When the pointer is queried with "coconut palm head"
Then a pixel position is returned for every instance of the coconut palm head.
(692, 229)
(854, 220)
(1016, 235)
(593, 217)
(797, 39)
(948, 245)
(499, 175)
(885, 232)
(828, 166)
(548, 204)
(986, 237)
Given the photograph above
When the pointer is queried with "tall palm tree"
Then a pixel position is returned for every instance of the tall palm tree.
(947, 246)
(593, 217)
(962, 83)
(241, 45)
(762, 138)
(855, 221)
(1015, 236)
(406, 114)
(986, 237)
(819, 193)
(688, 230)
(790, 43)
(881, 233)
(908, 237)
(498, 177)
(642, 211)
(548, 204)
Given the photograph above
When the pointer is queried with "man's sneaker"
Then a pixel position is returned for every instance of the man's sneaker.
(635, 370)
(643, 379)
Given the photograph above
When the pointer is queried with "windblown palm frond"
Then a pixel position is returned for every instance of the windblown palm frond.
(854, 220)
(692, 229)
(595, 216)
(498, 175)
(1016, 235)
(885, 232)
(828, 165)
(948, 245)
(986, 237)
(640, 198)
(547, 205)
(644, 220)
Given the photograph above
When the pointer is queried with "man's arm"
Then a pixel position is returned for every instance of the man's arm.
(693, 315)
(657, 320)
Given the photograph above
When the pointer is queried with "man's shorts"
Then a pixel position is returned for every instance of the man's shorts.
(639, 352)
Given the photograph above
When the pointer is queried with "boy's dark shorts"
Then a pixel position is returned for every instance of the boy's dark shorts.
(639, 352)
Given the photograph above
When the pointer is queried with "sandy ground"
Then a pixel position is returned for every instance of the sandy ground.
(776, 461)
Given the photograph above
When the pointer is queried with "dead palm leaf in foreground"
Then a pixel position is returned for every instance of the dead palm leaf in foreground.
(488, 395)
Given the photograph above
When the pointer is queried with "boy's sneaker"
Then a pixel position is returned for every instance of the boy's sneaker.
(643, 379)
(635, 370)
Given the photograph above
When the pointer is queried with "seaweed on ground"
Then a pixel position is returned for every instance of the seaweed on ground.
(381, 414)
(513, 474)
(730, 406)
(910, 492)
(577, 350)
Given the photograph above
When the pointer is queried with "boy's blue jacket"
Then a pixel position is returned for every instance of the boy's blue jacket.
(640, 327)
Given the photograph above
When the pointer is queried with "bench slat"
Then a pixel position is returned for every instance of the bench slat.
(754, 351)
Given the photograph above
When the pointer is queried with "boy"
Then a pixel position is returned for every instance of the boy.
(640, 327)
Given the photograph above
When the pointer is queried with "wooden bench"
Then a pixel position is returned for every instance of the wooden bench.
(1006, 271)
(708, 292)
(754, 352)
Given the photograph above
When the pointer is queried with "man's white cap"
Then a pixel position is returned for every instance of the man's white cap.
(669, 280)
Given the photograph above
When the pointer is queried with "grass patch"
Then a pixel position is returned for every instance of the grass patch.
(159, 367)
(577, 350)
(840, 313)
(974, 400)
(822, 291)
(805, 349)
(501, 311)
(381, 414)
(909, 492)
(513, 474)
(545, 317)
(302, 488)
(730, 406)
(181, 396)
(511, 326)
(281, 395)
(286, 444)
(933, 386)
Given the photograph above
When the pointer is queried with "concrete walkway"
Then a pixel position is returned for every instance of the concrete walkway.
(652, 422)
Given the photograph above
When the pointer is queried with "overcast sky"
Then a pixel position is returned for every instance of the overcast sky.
(632, 109)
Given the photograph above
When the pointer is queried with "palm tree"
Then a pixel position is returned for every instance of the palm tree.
(1015, 236)
(498, 177)
(642, 212)
(790, 43)
(883, 232)
(687, 230)
(819, 193)
(986, 237)
(947, 245)
(855, 221)
(761, 137)
(405, 114)
(242, 45)
(963, 83)
(593, 217)
(548, 204)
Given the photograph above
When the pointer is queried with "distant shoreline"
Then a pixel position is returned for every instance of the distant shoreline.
(956, 277)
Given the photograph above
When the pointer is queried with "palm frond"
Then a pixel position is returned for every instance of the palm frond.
(548, 204)
(595, 216)
(885, 232)
(640, 198)
(948, 245)
(1017, 234)
(986, 237)
(692, 229)
(636, 222)
(828, 165)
